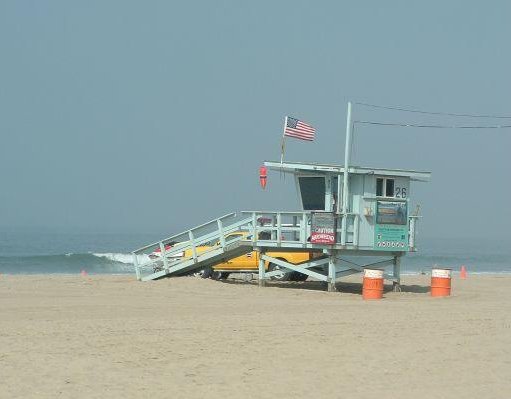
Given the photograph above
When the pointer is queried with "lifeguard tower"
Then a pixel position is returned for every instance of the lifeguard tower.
(347, 212)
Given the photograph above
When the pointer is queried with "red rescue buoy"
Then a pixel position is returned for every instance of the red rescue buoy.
(263, 176)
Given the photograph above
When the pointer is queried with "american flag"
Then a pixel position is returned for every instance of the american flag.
(298, 129)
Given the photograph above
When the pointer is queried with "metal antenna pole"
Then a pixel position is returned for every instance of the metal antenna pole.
(345, 191)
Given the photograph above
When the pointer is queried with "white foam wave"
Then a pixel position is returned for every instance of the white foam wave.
(123, 258)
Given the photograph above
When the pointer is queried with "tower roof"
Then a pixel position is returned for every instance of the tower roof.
(304, 168)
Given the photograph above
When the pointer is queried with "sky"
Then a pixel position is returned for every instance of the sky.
(147, 116)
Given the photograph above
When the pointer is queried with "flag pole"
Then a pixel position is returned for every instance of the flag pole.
(283, 142)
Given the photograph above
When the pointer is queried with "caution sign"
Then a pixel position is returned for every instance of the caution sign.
(323, 228)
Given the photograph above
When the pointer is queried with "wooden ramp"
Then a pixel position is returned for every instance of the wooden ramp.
(194, 249)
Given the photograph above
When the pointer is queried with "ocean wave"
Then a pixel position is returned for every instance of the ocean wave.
(122, 258)
(70, 263)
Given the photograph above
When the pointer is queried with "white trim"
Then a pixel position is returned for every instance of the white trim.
(441, 273)
(373, 273)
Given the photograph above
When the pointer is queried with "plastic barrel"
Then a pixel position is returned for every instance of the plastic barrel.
(372, 287)
(440, 282)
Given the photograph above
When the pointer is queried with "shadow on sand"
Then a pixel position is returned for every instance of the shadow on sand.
(350, 288)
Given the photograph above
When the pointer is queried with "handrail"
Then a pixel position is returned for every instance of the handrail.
(275, 212)
(195, 242)
(137, 251)
(214, 220)
(296, 212)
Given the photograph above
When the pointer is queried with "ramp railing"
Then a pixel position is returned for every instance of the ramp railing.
(190, 244)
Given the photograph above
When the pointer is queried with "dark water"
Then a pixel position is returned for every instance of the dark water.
(69, 252)
(108, 253)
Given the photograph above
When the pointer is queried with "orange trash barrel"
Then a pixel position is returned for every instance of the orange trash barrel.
(372, 287)
(440, 282)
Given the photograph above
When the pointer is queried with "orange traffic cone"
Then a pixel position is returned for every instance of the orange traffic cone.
(463, 272)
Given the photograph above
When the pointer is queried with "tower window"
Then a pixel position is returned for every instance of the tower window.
(312, 190)
(384, 187)
(389, 188)
(379, 187)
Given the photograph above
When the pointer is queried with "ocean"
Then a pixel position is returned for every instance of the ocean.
(30, 252)
(27, 252)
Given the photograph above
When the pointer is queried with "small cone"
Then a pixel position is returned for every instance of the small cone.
(83, 273)
(463, 272)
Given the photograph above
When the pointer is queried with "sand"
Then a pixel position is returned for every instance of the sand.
(114, 337)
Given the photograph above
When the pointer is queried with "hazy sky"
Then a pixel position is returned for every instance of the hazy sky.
(155, 115)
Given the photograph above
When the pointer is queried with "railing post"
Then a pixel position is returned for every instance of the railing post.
(192, 242)
(221, 232)
(344, 228)
(135, 262)
(396, 274)
(332, 273)
(356, 222)
(279, 228)
(164, 256)
(295, 224)
(262, 277)
(411, 237)
(254, 227)
(303, 229)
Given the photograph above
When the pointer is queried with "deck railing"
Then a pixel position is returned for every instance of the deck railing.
(295, 227)
(286, 227)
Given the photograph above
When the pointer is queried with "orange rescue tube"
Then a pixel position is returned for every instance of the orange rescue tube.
(440, 282)
(263, 176)
(372, 287)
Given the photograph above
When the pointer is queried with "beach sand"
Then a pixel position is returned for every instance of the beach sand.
(114, 337)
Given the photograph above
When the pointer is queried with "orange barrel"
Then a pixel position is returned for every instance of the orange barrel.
(372, 287)
(440, 282)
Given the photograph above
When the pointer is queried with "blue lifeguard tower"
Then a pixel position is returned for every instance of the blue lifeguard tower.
(347, 212)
